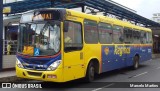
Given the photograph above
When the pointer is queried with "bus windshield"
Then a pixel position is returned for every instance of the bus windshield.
(39, 38)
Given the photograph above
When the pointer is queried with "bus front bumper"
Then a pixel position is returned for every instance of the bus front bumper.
(52, 76)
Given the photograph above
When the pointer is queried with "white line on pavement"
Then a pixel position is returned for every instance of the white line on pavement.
(158, 68)
(140, 74)
(103, 87)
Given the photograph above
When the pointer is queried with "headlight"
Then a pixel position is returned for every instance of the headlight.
(54, 65)
(19, 64)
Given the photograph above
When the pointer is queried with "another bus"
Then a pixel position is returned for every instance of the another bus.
(61, 45)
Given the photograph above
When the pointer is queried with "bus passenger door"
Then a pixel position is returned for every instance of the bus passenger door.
(73, 51)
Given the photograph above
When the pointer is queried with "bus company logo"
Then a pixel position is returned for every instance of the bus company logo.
(106, 50)
(120, 50)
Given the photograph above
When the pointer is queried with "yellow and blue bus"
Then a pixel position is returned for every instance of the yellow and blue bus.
(61, 45)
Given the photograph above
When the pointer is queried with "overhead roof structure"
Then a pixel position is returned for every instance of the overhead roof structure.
(107, 6)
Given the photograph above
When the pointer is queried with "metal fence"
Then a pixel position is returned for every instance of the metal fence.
(13, 44)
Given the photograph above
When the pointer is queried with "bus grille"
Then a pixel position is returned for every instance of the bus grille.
(34, 73)
(36, 61)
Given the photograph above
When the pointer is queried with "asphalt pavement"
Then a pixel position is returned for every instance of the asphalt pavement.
(117, 80)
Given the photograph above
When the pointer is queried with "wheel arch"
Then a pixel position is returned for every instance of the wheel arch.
(96, 63)
(137, 54)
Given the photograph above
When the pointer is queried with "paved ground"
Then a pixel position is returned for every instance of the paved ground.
(9, 61)
(148, 72)
(7, 74)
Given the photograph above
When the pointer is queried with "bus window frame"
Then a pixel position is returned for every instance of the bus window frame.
(150, 34)
(134, 32)
(113, 34)
(36, 22)
(81, 36)
(142, 37)
(97, 31)
(130, 29)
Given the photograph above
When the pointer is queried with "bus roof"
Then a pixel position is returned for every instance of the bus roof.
(106, 19)
(98, 18)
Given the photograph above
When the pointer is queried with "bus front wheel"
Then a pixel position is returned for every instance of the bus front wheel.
(136, 62)
(90, 72)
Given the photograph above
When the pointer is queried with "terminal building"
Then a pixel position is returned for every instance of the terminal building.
(156, 17)
(13, 9)
(156, 36)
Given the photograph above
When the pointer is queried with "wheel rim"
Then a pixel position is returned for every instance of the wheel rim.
(136, 62)
(91, 73)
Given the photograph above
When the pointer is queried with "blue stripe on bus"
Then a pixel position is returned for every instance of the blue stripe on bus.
(114, 57)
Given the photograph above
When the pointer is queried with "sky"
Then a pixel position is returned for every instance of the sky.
(144, 8)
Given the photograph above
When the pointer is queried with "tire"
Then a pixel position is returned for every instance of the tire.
(136, 62)
(90, 73)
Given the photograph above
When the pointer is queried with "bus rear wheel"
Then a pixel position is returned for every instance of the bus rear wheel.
(136, 62)
(90, 72)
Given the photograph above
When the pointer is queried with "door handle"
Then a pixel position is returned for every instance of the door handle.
(81, 55)
(82, 65)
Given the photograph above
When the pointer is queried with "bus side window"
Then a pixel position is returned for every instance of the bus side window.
(149, 37)
(90, 32)
(128, 35)
(143, 37)
(72, 36)
(105, 33)
(118, 36)
(136, 36)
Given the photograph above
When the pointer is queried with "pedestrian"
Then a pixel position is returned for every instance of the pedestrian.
(9, 48)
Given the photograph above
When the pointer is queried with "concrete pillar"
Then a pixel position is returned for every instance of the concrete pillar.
(1, 32)
(3, 39)
(83, 8)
